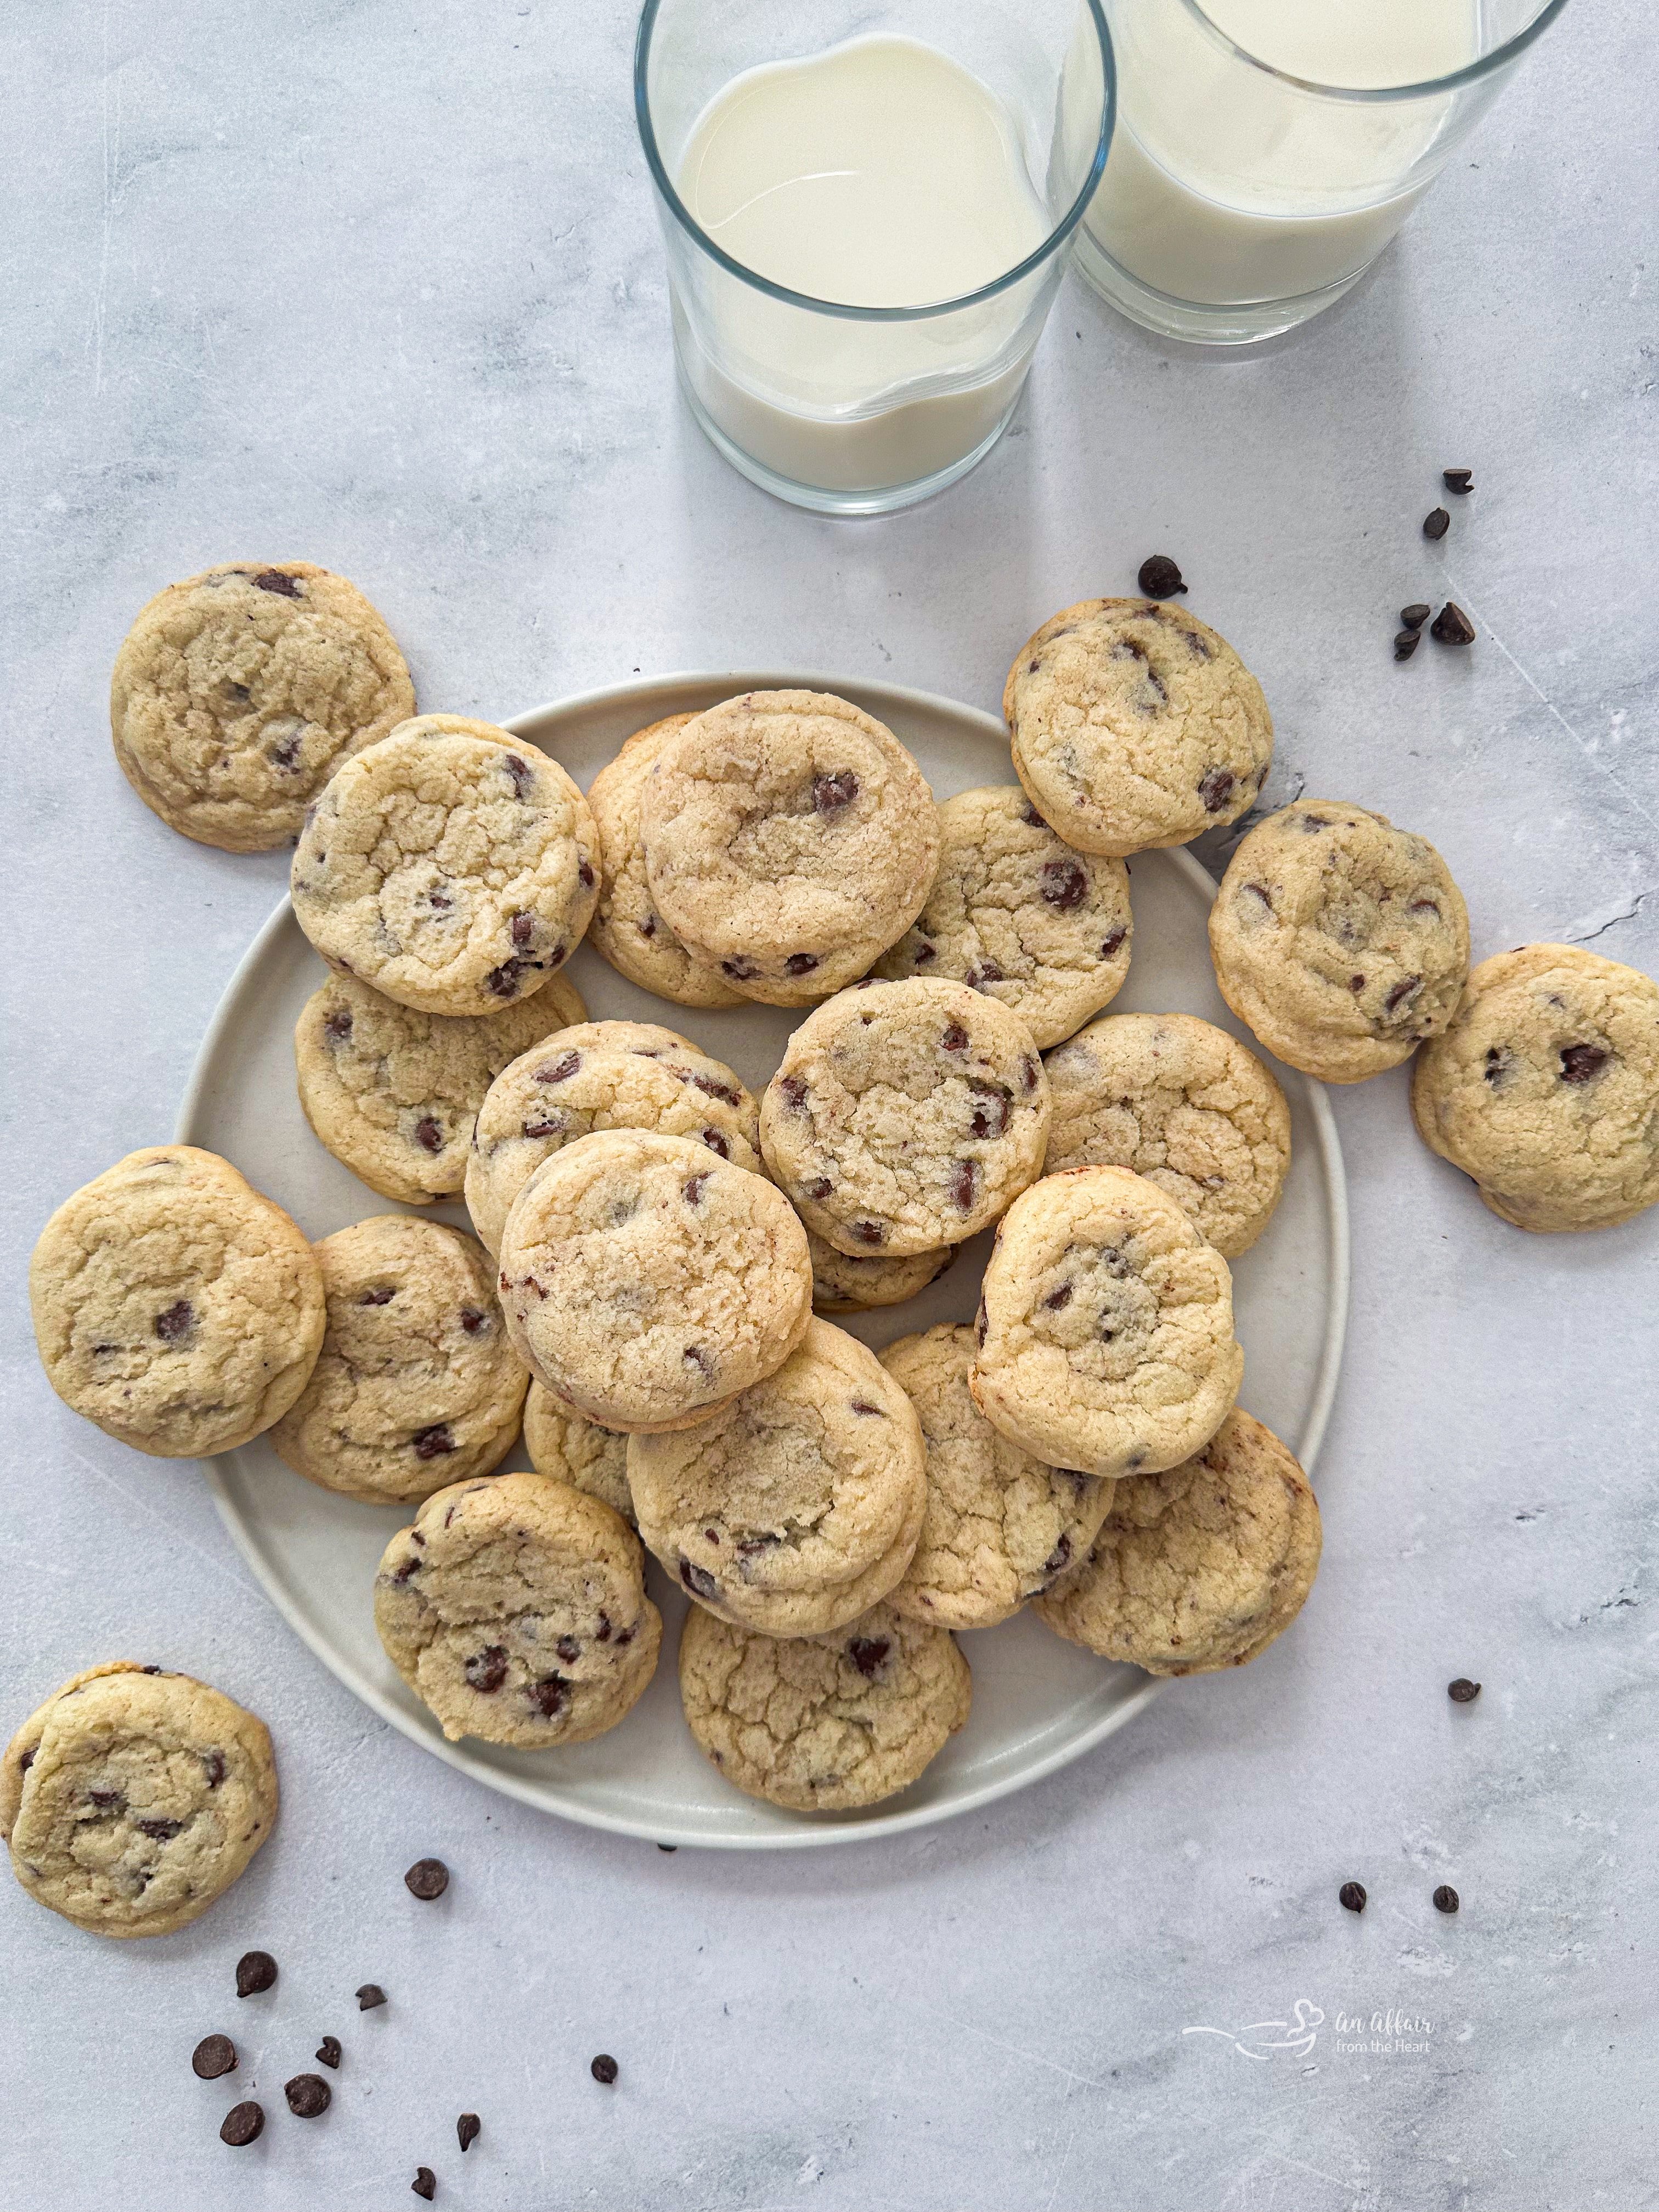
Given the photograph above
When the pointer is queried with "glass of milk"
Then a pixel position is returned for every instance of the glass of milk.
(1265, 151)
(866, 208)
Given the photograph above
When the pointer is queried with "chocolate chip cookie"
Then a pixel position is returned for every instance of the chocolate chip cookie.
(1017, 914)
(1134, 724)
(646, 1281)
(999, 1525)
(416, 1386)
(567, 1449)
(823, 1723)
(173, 1306)
(134, 1797)
(1545, 1088)
(627, 929)
(238, 692)
(798, 1506)
(1200, 1567)
(906, 1115)
(1183, 1103)
(1105, 1326)
(562, 1091)
(1342, 941)
(515, 1609)
(393, 1094)
(789, 839)
(450, 866)
(842, 1284)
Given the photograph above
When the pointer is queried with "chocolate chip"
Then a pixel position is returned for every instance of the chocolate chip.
(504, 981)
(433, 1443)
(242, 2124)
(425, 2182)
(328, 2051)
(26, 1762)
(106, 1801)
(1159, 578)
(428, 1134)
(214, 1763)
(1352, 1897)
(524, 928)
(486, 1670)
(160, 1830)
(831, 792)
(762, 1540)
(473, 1320)
(337, 1028)
(1058, 1299)
(954, 1038)
(925, 953)
(868, 1232)
(792, 1089)
(983, 972)
(1405, 643)
(602, 1633)
(1029, 813)
(867, 1654)
(559, 1070)
(1406, 988)
(1216, 789)
(1057, 1558)
(668, 1847)
(1579, 1062)
(698, 1580)
(273, 579)
(1451, 626)
(308, 2096)
(1497, 1069)
(213, 2056)
(585, 874)
(863, 1405)
(427, 1879)
(695, 1185)
(407, 1569)
(1261, 892)
(740, 969)
(174, 1325)
(992, 1111)
(1356, 982)
(695, 1356)
(1064, 883)
(1458, 479)
(1029, 1072)
(1110, 943)
(467, 2128)
(800, 963)
(1462, 1691)
(255, 1971)
(980, 1324)
(441, 902)
(1436, 523)
(1446, 1899)
(369, 1996)
(603, 2069)
(383, 1296)
(550, 1696)
(522, 776)
(716, 1143)
(570, 1650)
(964, 1183)
(819, 1188)
(1414, 616)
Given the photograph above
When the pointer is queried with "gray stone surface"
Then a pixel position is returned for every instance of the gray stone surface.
(379, 285)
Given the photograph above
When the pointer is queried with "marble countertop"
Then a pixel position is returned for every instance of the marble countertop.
(379, 285)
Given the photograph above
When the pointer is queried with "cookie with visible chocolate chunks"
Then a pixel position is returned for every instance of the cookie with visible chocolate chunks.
(844, 1284)
(567, 1449)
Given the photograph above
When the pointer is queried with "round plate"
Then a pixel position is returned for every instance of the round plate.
(1038, 1702)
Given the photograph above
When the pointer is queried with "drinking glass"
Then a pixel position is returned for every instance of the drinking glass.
(851, 409)
(1240, 199)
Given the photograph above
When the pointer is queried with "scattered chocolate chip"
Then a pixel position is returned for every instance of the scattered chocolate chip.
(1445, 1898)
(255, 1971)
(831, 792)
(213, 2056)
(695, 1185)
(173, 1326)
(242, 2123)
(1451, 626)
(308, 2096)
(1159, 578)
(486, 1670)
(369, 1996)
(1436, 523)
(668, 1847)
(429, 1133)
(1352, 1897)
(1414, 616)
(427, 1879)
(467, 2129)
(603, 2069)
(964, 1184)
(698, 1580)
(1579, 1062)
(1216, 789)
(425, 2182)
(1462, 1691)
(550, 1696)
(1065, 884)
(433, 1443)
(1458, 479)
(867, 1654)
(328, 2051)
(800, 963)
(1405, 643)
(954, 1038)
(868, 1232)
(273, 579)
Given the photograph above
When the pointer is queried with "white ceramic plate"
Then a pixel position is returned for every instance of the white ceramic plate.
(1038, 1703)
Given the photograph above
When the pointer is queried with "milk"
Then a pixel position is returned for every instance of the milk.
(879, 173)
(1224, 186)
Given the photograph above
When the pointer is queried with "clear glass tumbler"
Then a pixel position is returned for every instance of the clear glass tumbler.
(861, 403)
(1243, 192)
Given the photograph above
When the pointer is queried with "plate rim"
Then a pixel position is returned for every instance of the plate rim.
(645, 693)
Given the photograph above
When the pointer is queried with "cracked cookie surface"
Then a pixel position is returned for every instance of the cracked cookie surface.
(646, 1281)
(1105, 1326)
(843, 1285)
(1342, 941)
(1134, 724)
(1020, 914)
(416, 1386)
(515, 1609)
(1545, 1088)
(1182, 1103)
(238, 692)
(134, 1797)
(798, 1506)
(824, 1723)
(999, 1525)
(789, 839)
(174, 1306)
(1200, 1567)
(566, 1448)
(450, 866)
(393, 1094)
(906, 1115)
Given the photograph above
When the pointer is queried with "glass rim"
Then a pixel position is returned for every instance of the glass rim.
(1380, 94)
(1033, 261)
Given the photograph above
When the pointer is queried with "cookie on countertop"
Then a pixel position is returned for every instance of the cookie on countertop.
(842, 1284)
(417, 1387)
(627, 929)
(999, 1525)
(238, 692)
(515, 1609)
(823, 1723)
(1182, 1103)
(789, 839)
(174, 1305)
(450, 866)
(798, 1506)
(393, 1094)
(1342, 941)
(1016, 912)
(1200, 1567)
(1545, 1088)
(1105, 1326)
(133, 1797)
(646, 1281)
(906, 1115)
(1134, 724)
(567, 1449)
(560, 1091)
